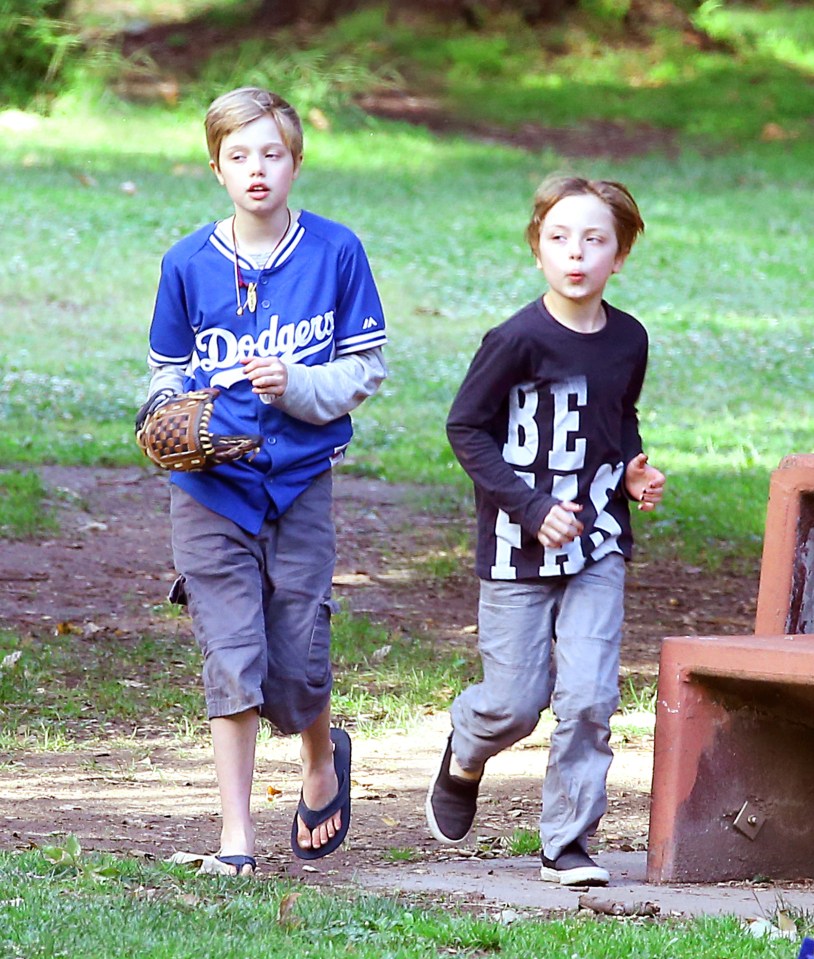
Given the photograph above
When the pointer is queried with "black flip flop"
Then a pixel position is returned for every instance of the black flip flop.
(239, 862)
(341, 802)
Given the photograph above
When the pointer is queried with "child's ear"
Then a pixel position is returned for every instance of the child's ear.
(297, 165)
(619, 262)
(215, 169)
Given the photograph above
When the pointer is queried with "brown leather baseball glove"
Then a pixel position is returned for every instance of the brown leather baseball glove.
(173, 432)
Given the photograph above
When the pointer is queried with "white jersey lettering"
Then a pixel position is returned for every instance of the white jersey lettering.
(507, 537)
(220, 349)
(568, 455)
(523, 438)
(559, 560)
(606, 531)
(565, 488)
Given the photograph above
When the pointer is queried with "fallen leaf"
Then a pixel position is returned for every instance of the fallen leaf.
(206, 864)
(610, 907)
(285, 913)
(773, 132)
(786, 924)
(86, 179)
(11, 659)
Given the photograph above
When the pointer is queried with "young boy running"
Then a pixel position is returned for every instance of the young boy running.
(278, 309)
(545, 424)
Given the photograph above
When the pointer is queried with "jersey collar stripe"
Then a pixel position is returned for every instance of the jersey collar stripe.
(288, 247)
(225, 250)
(285, 251)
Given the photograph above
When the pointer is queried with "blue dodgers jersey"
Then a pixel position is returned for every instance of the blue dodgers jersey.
(316, 299)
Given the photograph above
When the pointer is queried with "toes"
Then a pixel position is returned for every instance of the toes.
(323, 833)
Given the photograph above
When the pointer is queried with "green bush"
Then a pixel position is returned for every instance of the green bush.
(34, 42)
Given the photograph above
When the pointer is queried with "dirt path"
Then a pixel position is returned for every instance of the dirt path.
(110, 565)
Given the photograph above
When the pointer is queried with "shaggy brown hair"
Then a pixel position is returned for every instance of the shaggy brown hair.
(626, 216)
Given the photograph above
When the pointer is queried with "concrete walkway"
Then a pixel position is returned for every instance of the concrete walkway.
(514, 883)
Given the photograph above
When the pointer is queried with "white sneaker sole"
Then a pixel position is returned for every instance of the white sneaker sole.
(581, 876)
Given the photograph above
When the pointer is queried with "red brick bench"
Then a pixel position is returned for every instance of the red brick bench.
(733, 776)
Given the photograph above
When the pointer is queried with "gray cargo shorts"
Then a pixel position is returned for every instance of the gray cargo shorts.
(261, 605)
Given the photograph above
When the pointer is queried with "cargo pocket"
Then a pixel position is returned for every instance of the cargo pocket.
(318, 670)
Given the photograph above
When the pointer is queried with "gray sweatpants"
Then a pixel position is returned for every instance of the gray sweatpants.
(551, 644)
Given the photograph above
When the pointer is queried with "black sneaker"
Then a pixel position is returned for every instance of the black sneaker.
(573, 867)
(451, 803)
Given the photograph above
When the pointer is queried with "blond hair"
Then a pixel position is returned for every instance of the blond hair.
(627, 220)
(235, 109)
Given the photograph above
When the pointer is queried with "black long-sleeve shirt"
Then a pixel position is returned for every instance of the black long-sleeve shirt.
(546, 414)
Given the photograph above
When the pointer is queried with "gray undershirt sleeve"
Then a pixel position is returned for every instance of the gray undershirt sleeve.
(166, 377)
(320, 394)
(314, 394)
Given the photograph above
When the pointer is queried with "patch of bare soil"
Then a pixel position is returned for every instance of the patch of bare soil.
(175, 52)
(110, 565)
(595, 138)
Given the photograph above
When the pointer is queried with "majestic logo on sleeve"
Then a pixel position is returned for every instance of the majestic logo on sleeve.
(565, 459)
(218, 351)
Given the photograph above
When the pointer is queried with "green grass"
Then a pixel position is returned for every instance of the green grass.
(23, 508)
(730, 351)
(563, 74)
(776, 31)
(720, 279)
(522, 842)
(110, 685)
(388, 679)
(61, 902)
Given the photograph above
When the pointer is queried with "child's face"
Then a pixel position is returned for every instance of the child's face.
(578, 249)
(256, 167)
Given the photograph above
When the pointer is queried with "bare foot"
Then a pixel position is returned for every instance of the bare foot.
(238, 843)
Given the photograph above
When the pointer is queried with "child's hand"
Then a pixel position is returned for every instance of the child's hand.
(267, 374)
(561, 525)
(644, 483)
